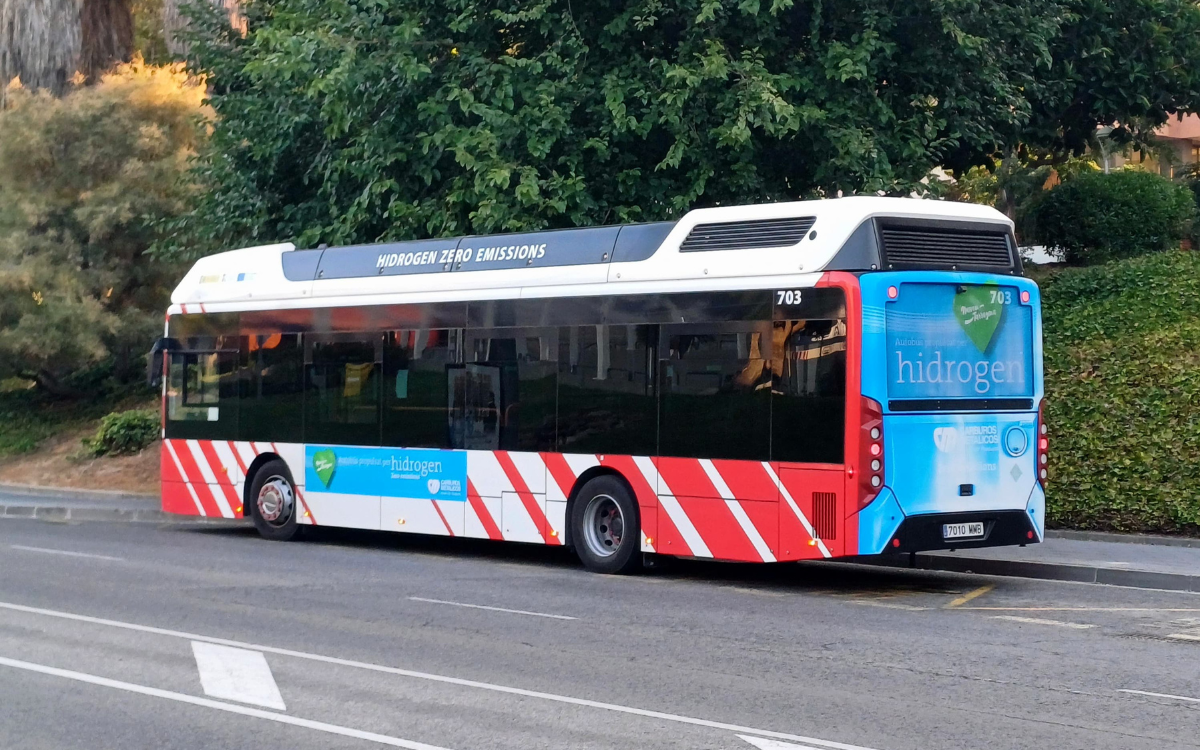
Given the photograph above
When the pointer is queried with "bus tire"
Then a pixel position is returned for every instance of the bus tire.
(605, 527)
(273, 503)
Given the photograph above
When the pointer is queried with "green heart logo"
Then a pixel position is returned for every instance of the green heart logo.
(979, 310)
(325, 463)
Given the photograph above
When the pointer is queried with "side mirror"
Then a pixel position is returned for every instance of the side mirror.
(154, 364)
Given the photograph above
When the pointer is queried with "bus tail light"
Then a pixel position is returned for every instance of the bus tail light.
(1043, 444)
(870, 452)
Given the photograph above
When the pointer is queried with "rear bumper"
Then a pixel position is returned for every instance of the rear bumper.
(920, 533)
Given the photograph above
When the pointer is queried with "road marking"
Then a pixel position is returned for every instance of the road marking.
(320, 726)
(1082, 609)
(888, 605)
(444, 679)
(763, 743)
(237, 674)
(492, 609)
(64, 552)
(971, 595)
(1161, 695)
(1184, 637)
(1040, 621)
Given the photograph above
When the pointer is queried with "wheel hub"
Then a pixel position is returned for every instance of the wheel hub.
(276, 501)
(604, 526)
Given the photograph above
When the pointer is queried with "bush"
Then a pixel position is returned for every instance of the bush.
(124, 432)
(1097, 217)
(1122, 359)
(84, 178)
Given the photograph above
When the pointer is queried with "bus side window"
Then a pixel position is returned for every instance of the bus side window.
(272, 388)
(716, 391)
(606, 394)
(201, 395)
(415, 400)
(343, 388)
(503, 395)
(809, 391)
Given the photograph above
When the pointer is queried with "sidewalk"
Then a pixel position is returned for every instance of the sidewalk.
(1114, 559)
(62, 504)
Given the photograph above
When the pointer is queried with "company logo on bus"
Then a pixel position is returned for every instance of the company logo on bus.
(946, 439)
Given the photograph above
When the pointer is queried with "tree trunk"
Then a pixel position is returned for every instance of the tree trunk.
(107, 35)
(40, 42)
(174, 22)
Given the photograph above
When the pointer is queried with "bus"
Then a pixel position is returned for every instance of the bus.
(763, 383)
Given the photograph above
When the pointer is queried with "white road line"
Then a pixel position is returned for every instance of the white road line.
(64, 552)
(1161, 695)
(763, 743)
(237, 674)
(1040, 621)
(319, 726)
(492, 609)
(446, 680)
(1184, 637)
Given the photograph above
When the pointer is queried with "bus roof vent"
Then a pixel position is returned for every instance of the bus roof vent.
(743, 235)
(943, 248)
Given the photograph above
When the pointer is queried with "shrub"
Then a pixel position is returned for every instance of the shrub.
(123, 432)
(84, 178)
(1097, 217)
(1122, 361)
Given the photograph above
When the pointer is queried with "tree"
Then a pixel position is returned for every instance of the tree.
(367, 120)
(82, 180)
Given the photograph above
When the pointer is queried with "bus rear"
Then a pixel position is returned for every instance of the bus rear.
(953, 439)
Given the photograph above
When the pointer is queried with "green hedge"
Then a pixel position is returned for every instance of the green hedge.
(1122, 346)
(123, 432)
(1096, 217)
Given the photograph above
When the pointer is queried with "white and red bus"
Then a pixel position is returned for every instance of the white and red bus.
(755, 383)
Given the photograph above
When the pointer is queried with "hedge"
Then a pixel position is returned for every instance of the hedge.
(124, 432)
(1122, 358)
(1097, 217)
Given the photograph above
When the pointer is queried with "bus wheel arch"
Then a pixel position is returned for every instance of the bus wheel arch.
(603, 509)
(251, 472)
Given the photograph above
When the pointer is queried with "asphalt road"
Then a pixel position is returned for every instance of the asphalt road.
(148, 636)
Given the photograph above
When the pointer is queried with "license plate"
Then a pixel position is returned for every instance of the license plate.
(962, 530)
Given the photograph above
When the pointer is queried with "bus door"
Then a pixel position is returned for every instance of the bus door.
(808, 413)
(502, 412)
(716, 492)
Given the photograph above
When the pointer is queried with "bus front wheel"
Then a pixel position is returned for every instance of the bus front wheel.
(605, 527)
(273, 502)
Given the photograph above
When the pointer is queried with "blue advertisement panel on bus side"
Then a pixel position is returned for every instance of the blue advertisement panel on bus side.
(933, 338)
(419, 473)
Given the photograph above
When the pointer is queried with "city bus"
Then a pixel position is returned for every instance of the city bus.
(762, 383)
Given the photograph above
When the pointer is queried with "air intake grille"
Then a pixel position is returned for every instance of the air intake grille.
(741, 235)
(825, 514)
(943, 248)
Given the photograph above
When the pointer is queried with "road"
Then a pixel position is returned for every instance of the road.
(178, 636)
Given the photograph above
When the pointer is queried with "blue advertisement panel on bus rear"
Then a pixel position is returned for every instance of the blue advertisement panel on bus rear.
(937, 347)
(423, 474)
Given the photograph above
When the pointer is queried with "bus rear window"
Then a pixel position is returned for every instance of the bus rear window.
(959, 341)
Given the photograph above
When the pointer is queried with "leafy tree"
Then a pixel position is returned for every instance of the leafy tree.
(363, 120)
(82, 179)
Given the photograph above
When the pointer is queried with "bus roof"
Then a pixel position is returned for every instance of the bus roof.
(710, 248)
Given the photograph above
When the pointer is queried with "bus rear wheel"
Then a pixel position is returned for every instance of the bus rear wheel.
(273, 502)
(605, 528)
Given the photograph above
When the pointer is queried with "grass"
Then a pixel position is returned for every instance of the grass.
(28, 418)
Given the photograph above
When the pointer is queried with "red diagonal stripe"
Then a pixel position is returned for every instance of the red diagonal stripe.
(223, 481)
(707, 511)
(560, 472)
(168, 471)
(442, 516)
(193, 477)
(531, 505)
(493, 531)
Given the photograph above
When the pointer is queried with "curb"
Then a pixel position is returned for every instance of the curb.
(1140, 579)
(73, 493)
(126, 515)
(1110, 536)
